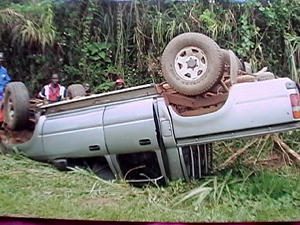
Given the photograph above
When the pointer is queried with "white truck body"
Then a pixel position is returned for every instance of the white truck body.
(137, 128)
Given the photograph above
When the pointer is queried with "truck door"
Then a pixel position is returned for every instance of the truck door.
(129, 127)
(77, 133)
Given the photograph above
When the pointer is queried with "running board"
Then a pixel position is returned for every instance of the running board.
(238, 134)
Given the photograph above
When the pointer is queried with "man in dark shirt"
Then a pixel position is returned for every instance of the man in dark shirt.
(53, 92)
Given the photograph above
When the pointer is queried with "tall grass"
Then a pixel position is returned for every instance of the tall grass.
(256, 187)
(266, 34)
(292, 43)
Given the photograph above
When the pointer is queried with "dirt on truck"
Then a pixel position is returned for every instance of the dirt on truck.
(154, 132)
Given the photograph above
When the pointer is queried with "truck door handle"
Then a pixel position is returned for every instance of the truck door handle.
(94, 147)
(145, 142)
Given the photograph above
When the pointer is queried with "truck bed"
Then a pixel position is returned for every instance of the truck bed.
(103, 98)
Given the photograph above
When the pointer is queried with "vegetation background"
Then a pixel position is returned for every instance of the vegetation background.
(96, 41)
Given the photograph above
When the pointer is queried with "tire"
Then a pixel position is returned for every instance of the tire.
(227, 59)
(75, 90)
(192, 63)
(16, 105)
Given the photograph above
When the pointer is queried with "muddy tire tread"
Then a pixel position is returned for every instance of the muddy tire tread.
(216, 61)
(20, 100)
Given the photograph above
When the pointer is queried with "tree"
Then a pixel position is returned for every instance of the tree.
(28, 25)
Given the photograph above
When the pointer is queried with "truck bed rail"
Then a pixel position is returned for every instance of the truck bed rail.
(97, 99)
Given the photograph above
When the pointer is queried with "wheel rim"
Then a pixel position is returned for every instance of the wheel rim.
(10, 109)
(190, 63)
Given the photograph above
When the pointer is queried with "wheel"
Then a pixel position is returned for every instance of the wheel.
(227, 59)
(192, 63)
(16, 105)
(75, 90)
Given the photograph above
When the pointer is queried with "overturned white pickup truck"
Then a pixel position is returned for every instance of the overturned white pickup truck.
(159, 132)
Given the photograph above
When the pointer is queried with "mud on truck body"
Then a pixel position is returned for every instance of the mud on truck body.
(156, 132)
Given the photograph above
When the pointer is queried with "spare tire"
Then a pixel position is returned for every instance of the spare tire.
(75, 90)
(192, 63)
(16, 105)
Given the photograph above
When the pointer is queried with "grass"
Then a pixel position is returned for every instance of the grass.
(238, 193)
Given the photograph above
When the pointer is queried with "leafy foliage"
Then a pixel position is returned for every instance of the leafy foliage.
(98, 41)
(29, 25)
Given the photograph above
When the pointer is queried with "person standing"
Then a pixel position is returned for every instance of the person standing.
(53, 92)
(87, 88)
(119, 84)
(4, 77)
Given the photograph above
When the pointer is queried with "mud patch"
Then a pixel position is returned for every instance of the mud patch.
(15, 137)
